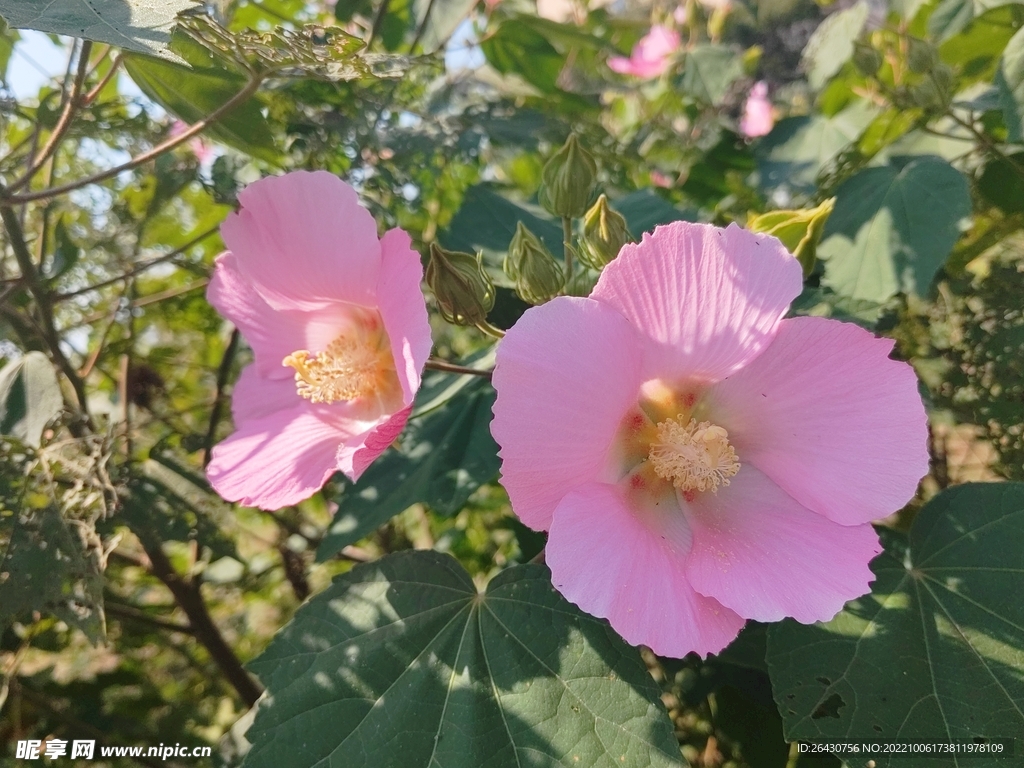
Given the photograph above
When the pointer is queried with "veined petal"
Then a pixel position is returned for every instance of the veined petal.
(276, 460)
(830, 418)
(764, 555)
(255, 396)
(566, 374)
(708, 300)
(273, 334)
(360, 450)
(606, 560)
(400, 300)
(304, 240)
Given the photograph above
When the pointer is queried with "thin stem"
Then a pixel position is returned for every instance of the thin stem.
(567, 247)
(49, 331)
(67, 116)
(985, 142)
(436, 364)
(193, 130)
(490, 330)
(134, 614)
(140, 268)
(223, 372)
(92, 95)
(187, 594)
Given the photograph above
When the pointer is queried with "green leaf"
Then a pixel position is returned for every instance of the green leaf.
(831, 45)
(799, 148)
(135, 25)
(644, 210)
(975, 53)
(445, 455)
(192, 94)
(953, 16)
(1010, 82)
(934, 652)
(1002, 183)
(709, 71)
(29, 397)
(404, 663)
(893, 228)
(437, 19)
(486, 222)
(65, 252)
(516, 47)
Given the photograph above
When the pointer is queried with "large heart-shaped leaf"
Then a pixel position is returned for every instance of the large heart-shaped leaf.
(892, 228)
(136, 25)
(402, 663)
(444, 455)
(934, 652)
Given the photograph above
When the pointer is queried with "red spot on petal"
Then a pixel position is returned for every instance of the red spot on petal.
(636, 482)
(689, 495)
(689, 399)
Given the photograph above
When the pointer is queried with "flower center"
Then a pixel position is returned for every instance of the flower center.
(348, 369)
(695, 456)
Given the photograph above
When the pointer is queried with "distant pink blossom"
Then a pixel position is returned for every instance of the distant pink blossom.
(338, 325)
(697, 460)
(757, 117)
(651, 55)
(203, 150)
(659, 179)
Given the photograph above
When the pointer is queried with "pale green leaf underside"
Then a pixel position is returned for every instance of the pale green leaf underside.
(945, 612)
(402, 663)
(135, 25)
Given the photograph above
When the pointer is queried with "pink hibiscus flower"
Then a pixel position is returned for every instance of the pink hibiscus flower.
(338, 325)
(758, 118)
(696, 459)
(203, 151)
(651, 55)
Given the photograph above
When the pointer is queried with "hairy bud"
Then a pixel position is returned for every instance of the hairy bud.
(464, 292)
(537, 275)
(568, 179)
(604, 234)
(867, 58)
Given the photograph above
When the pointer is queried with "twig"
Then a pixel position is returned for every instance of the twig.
(436, 364)
(188, 595)
(140, 268)
(223, 372)
(567, 247)
(67, 116)
(91, 96)
(42, 297)
(193, 130)
(134, 614)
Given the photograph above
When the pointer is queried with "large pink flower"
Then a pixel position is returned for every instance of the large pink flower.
(338, 325)
(696, 459)
(651, 55)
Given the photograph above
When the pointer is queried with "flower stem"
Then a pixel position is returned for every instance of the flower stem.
(436, 364)
(567, 246)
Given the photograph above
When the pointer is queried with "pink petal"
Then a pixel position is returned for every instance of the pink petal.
(359, 452)
(709, 299)
(304, 240)
(276, 460)
(758, 118)
(762, 554)
(255, 396)
(273, 334)
(829, 417)
(403, 310)
(566, 374)
(604, 559)
(657, 44)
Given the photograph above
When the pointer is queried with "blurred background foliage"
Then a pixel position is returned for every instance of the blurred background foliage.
(131, 596)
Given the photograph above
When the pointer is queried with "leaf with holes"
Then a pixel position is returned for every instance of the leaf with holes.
(404, 663)
(892, 228)
(935, 651)
(135, 25)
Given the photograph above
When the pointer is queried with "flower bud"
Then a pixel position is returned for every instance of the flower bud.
(463, 290)
(866, 58)
(800, 231)
(604, 234)
(537, 275)
(568, 179)
(921, 55)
